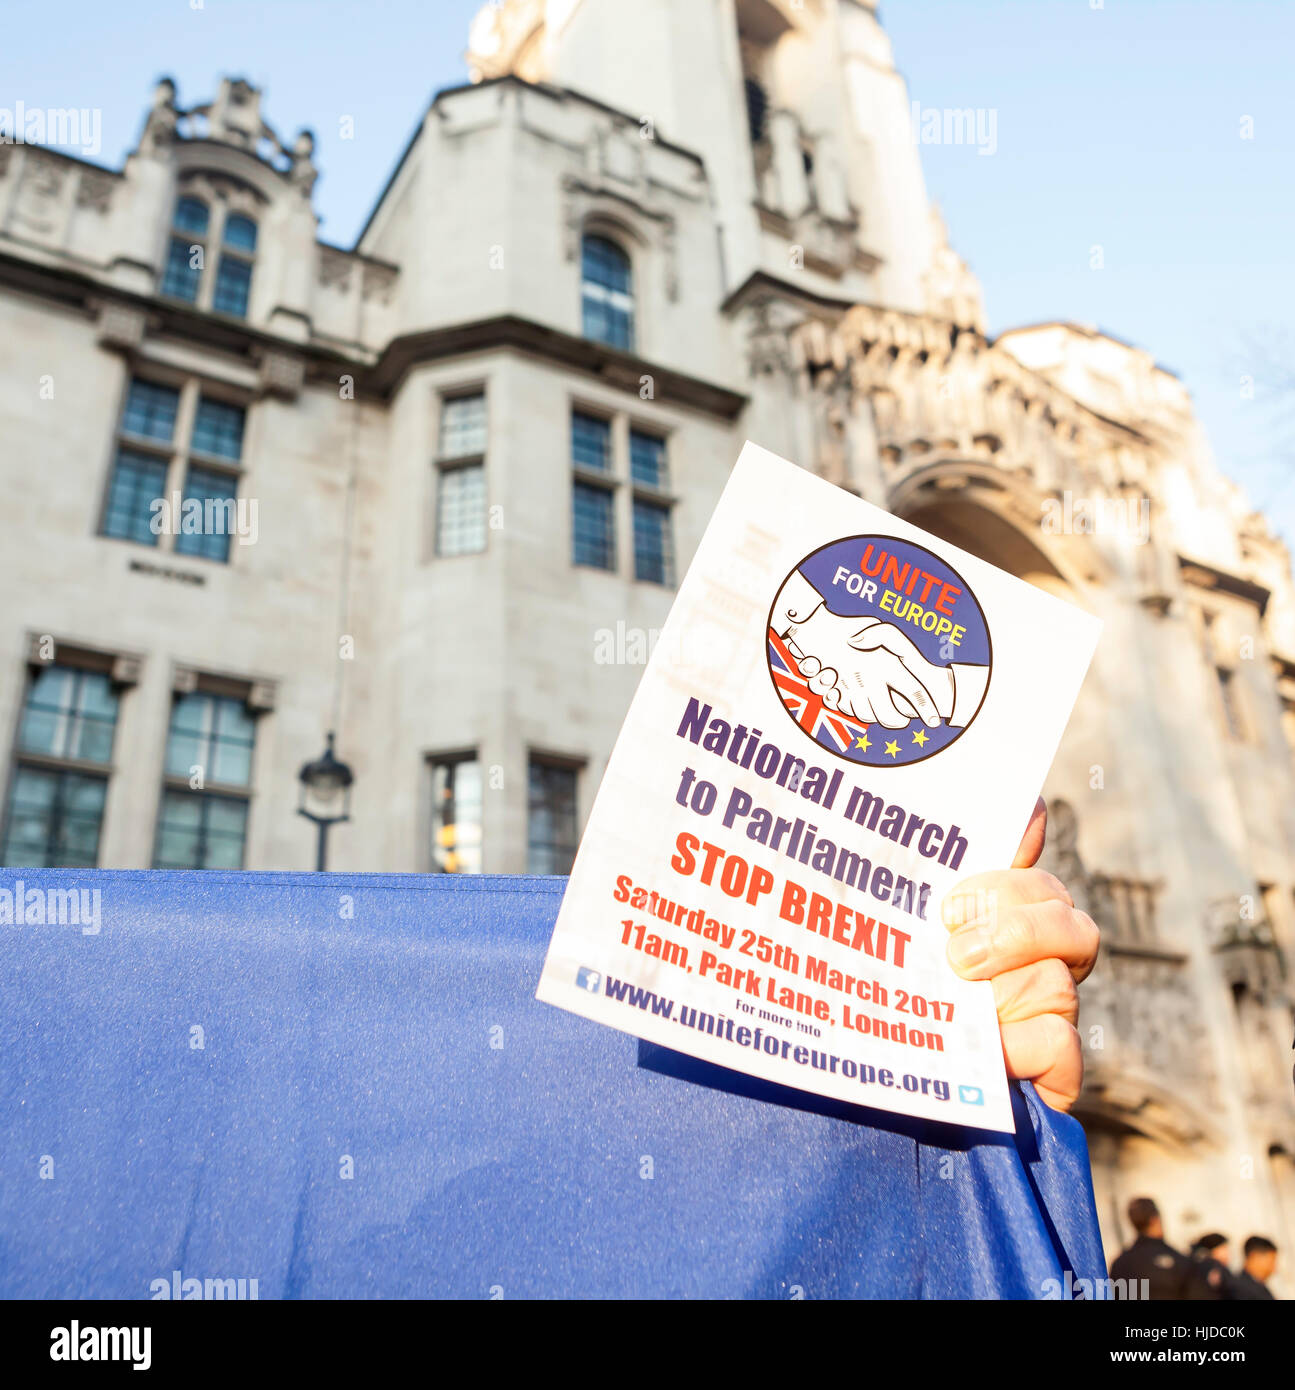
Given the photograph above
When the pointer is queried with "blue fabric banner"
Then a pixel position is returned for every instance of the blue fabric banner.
(341, 1086)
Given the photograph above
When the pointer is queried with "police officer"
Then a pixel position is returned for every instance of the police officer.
(1251, 1283)
(1211, 1279)
(1166, 1271)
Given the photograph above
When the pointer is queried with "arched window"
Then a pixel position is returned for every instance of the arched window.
(234, 274)
(607, 296)
(191, 216)
(187, 253)
(198, 232)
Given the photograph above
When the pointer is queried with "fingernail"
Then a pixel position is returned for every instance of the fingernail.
(956, 909)
(968, 949)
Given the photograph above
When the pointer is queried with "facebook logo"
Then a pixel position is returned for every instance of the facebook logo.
(971, 1095)
(587, 979)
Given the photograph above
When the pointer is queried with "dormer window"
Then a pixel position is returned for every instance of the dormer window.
(188, 250)
(234, 275)
(199, 231)
(606, 292)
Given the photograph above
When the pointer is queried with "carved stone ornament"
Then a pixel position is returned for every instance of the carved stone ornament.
(618, 157)
(831, 399)
(95, 190)
(281, 374)
(302, 172)
(262, 696)
(670, 250)
(41, 649)
(41, 185)
(928, 379)
(584, 196)
(335, 269)
(160, 127)
(1151, 1019)
(126, 669)
(121, 326)
(770, 326)
(379, 282)
(572, 217)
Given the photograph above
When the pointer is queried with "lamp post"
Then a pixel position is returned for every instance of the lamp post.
(325, 797)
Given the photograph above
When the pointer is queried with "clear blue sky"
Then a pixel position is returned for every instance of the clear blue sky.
(1117, 126)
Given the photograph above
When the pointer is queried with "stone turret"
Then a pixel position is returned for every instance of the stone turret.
(794, 105)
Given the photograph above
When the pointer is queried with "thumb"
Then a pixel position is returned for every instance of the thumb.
(1036, 833)
(884, 635)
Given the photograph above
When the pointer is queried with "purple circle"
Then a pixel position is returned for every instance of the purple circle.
(943, 644)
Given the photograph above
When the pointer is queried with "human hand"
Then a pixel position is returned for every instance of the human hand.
(1019, 928)
(936, 680)
(879, 675)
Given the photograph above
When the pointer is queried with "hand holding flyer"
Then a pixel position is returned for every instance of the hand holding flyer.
(826, 739)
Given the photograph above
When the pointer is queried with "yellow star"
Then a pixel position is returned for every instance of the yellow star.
(921, 738)
(865, 743)
(892, 749)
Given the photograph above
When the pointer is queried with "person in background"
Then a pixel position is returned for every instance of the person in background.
(1251, 1282)
(1211, 1278)
(1167, 1271)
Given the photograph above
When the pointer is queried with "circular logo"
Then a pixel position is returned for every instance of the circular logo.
(879, 650)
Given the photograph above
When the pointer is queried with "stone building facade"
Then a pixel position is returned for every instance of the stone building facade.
(433, 492)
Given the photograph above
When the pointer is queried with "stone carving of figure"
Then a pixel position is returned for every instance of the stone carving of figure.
(885, 413)
(769, 337)
(831, 421)
(832, 450)
(159, 128)
(303, 172)
(1061, 854)
(39, 192)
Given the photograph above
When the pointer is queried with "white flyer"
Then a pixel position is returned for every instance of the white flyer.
(842, 717)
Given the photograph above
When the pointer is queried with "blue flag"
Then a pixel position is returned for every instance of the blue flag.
(333, 1086)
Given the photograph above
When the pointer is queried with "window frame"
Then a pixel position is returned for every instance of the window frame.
(607, 296)
(218, 688)
(452, 758)
(444, 464)
(82, 661)
(178, 455)
(214, 251)
(235, 255)
(177, 234)
(659, 498)
(618, 480)
(558, 762)
(605, 480)
(204, 798)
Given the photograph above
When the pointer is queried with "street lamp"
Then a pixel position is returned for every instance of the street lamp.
(325, 796)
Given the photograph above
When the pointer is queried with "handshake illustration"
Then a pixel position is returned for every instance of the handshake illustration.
(870, 669)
